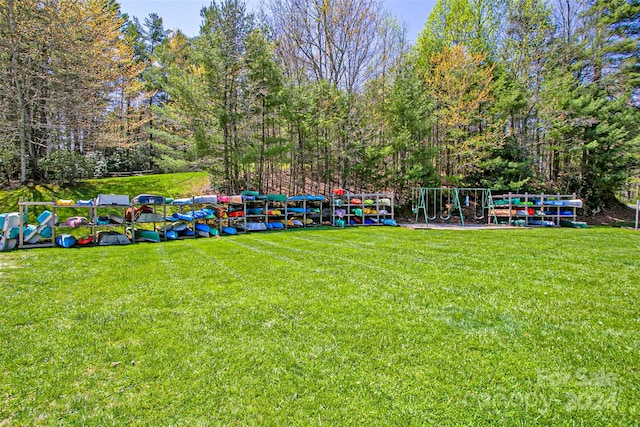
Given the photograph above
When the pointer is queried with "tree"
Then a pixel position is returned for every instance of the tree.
(471, 23)
(333, 40)
(64, 60)
(264, 94)
(459, 85)
(221, 47)
(589, 104)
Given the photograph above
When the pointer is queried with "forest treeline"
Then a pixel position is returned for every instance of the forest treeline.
(308, 95)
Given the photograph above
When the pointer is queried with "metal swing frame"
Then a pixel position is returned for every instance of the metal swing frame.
(430, 202)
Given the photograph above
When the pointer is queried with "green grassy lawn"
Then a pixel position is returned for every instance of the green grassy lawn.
(168, 185)
(361, 326)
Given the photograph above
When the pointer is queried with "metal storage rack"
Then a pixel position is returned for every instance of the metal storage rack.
(237, 222)
(535, 209)
(276, 210)
(90, 212)
(23, 208)
(311, 206)
(146, 220)
(255, 211)
(362, 208)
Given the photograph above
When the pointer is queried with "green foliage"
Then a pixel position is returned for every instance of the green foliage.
(470, 23)
(505, 168)
(171, 164)
(450, 23)
(421, 173)
(612, 49)
(406, 109)
(128, 159)
(609, 131)
(511, 327)
(65, 167)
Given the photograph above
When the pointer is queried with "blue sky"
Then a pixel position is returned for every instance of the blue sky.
(185, 14)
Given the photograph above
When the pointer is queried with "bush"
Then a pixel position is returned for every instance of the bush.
(99, 164)
(128, 159)
(65, 167)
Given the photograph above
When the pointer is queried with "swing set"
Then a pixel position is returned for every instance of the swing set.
(440, 204)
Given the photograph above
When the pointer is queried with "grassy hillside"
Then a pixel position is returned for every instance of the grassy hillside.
(360, 326)
(170, 185)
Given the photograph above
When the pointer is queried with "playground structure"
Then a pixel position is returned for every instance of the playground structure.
(440, 204)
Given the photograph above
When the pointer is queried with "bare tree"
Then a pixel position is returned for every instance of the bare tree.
(332, 40)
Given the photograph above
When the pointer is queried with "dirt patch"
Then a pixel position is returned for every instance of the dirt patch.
(619, 215)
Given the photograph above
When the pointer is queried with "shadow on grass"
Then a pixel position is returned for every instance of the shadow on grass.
(168, 185)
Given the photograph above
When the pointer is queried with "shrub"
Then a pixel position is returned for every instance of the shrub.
(65, 167)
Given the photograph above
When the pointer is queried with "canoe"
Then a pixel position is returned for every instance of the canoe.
(182, 216)
(256, 226)
(307, 197)
(187, 232)
(10, 231)
(13, 233)
(108, 238)
(182, 202)
(179, 226)
(277, 197)
(206, 199)
(148, 199)
(298, 210)
(150, 217)
(77, 221)
(45, 231)
(11, 220)
(147, 236)
(112, 200)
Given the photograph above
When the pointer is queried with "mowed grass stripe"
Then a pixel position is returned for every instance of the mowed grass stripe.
(376, 326)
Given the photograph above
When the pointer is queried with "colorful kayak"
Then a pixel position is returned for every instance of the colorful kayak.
(203, 230)
(229, 230)
(86, 240)
(66, 240)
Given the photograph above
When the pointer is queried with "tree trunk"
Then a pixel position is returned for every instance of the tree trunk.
(22, 131)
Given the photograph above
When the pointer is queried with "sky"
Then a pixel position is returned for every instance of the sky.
(185, 14)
